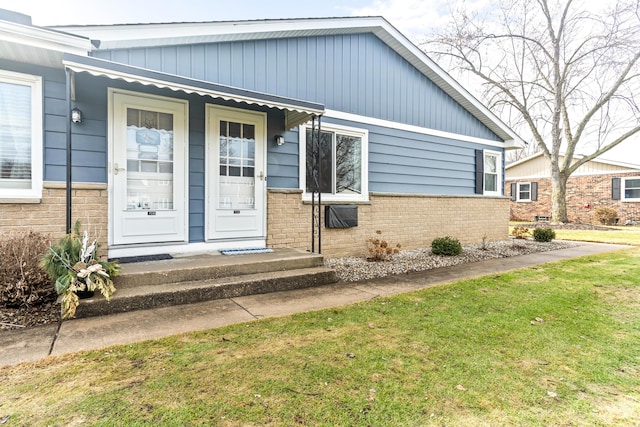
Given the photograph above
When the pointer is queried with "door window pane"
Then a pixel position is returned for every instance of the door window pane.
(237, 166)
(149, 160)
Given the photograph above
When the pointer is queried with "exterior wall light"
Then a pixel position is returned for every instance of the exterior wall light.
(76, 115)
(279, 139)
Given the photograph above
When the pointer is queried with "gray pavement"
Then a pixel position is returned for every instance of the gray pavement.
(91, 333)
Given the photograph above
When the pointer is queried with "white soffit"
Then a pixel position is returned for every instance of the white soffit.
(36, 45)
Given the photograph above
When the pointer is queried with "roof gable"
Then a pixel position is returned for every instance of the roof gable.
(149, 35)
(536, 166)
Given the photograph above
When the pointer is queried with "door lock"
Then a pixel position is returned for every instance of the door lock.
(261, 176)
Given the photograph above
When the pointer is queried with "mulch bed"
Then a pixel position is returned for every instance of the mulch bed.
(29, 316)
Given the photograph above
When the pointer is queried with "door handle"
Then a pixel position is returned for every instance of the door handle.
(261, 176)
(116, 169)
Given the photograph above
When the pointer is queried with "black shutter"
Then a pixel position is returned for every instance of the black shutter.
(514, 188)
(479, 172)
(615, 188)
(534, 191)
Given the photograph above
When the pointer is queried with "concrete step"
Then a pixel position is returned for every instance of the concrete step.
(146, 296)
(213, 266)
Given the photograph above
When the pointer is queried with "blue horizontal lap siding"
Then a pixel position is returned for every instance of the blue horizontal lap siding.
(409, 162)
(89, 140)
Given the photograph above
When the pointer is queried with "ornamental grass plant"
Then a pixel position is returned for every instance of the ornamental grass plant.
(74, 266)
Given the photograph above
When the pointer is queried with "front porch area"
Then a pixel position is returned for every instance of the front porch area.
(203, 277)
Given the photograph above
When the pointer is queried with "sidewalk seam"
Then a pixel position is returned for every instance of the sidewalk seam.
(244, 308)
(55, 338)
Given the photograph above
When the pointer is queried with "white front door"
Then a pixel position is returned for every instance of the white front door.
(236, 182)
(148, 169)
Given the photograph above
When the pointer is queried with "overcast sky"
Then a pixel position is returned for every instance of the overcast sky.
(414, 18)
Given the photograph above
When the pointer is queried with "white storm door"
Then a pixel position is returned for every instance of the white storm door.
(236, 182)
(149, 140)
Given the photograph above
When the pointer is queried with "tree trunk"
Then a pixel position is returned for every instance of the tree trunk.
(558, 196)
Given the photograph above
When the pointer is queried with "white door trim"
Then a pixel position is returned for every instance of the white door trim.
(212, 168)
(184, 106)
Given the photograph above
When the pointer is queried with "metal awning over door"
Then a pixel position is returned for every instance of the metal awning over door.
(296, 111)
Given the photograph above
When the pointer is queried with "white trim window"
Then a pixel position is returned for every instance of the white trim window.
(20, 135)
(343, 163)
(631, 189)
(492, 173)
(523, 192)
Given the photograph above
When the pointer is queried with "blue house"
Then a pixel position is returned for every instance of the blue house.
(191, 137)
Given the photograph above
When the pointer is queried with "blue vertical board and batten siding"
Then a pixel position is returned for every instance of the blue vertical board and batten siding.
(354, 73)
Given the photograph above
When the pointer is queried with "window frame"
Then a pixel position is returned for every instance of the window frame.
(363, 134)
(623, 187)
(35, 83)
(498, 155)
(518, 198)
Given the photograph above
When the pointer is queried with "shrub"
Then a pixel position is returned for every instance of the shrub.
(544, 234)
(380, 249)
(520, 232)
(446, 246)
(22, 281)
(606, 215)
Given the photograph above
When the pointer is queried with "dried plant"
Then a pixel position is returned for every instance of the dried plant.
(520, 232)
(380, 249)
(22, 281)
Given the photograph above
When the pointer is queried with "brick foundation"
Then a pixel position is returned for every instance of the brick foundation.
(591, 190)
(411, 220)
(89, 203)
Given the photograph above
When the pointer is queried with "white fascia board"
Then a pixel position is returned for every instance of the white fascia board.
(521, 161)
(44, 38)
(340, 115)
(126, 36)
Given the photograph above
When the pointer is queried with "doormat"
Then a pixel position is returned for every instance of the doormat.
(245, 251)
(142, 258)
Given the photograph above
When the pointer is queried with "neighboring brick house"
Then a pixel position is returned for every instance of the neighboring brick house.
(598, 183)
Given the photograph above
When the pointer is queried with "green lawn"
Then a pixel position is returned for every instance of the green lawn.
(619, 235)
(557, 344)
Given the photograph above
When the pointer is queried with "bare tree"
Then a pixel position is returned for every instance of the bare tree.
(560, 75)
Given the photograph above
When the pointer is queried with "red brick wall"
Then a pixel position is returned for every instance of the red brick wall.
(591, 190)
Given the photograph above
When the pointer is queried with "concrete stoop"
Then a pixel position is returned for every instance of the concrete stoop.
(198, 278)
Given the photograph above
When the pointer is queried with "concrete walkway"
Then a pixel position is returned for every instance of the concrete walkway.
(96, 332)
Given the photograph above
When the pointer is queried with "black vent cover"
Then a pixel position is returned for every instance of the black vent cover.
(340, 216)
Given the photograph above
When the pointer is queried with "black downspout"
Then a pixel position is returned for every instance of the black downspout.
(319, 187)
(68, 116)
